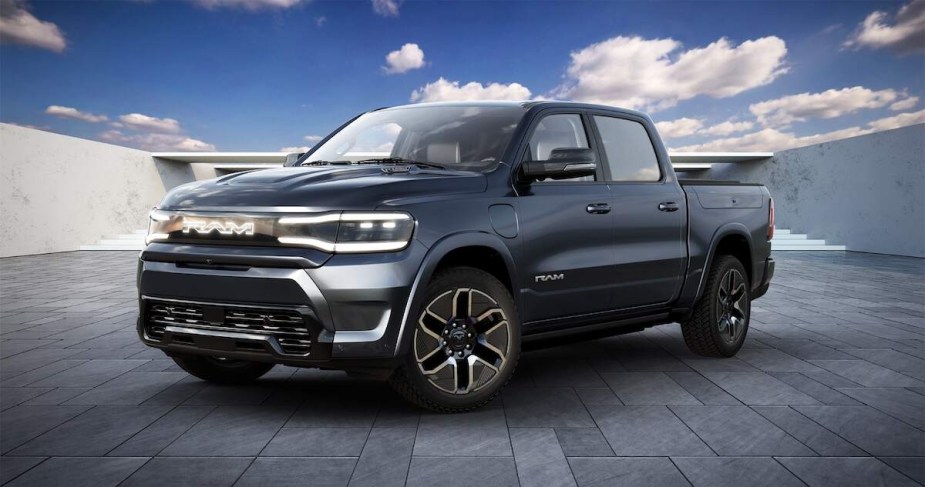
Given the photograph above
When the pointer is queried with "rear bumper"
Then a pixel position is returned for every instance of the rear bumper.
(765, 280)
(350, 310)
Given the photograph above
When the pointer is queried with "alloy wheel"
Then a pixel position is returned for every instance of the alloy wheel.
(731, 306)
(462, 341)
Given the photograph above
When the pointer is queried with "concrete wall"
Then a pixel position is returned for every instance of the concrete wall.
(867, 192)
(59, 192)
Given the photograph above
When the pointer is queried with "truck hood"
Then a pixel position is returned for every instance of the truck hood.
(320, 188)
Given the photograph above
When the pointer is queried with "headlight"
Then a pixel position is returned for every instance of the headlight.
(161, 224)
(351, 232)
(329, 232)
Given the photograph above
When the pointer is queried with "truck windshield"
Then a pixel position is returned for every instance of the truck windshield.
(456, 137)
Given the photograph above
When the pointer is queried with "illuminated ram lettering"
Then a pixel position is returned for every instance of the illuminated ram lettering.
(226, 228)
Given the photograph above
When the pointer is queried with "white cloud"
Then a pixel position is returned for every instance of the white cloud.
(906, 34)
(409, 57)
(905, 104)
(728, 127)
(19, 26)
(685, 127)
(443, 90)
(771, 139)
(73, 113)
(681, 127)
(157, 142)
(144, 122)
(653, 74)
(828, 104)
(251, 5)
(295, 149)
(313, 138)
(896, 121)
(387, 8)
(321, 20)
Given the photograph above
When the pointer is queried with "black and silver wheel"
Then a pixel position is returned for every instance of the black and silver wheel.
(719, 323)
(464, 345)
(221, 370)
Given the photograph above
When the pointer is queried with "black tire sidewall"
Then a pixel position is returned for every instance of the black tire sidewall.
(455, 278)
(212, 370)
(725, 264)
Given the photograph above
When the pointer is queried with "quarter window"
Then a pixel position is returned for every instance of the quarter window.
(629, 151)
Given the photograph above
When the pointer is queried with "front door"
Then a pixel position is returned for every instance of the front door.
(568, 253)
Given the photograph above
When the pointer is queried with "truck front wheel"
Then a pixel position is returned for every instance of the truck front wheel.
(465, 343)
(719, 323)
(222, 370)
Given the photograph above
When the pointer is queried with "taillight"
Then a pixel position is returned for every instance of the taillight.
(771, 221)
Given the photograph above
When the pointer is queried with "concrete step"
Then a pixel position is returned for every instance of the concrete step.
(125, 246)
(126, 236)
(127, 241)
(804, 242)
(784, 240)
(119, 241)
(785, 248)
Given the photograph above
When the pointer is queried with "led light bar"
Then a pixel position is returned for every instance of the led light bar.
(341, 232)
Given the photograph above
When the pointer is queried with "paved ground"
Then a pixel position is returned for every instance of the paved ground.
(830, 390)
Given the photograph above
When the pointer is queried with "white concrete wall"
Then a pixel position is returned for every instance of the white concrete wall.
(867, 192)
(59, 192)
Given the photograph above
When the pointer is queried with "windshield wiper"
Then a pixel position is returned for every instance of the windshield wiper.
(399, 160)
(326, 163)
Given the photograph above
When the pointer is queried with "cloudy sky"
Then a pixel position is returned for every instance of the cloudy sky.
(268, 75)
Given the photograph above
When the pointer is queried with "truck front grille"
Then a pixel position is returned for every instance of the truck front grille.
(289, 327)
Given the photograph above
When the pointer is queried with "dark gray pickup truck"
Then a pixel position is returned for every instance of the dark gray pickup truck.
(425, 243)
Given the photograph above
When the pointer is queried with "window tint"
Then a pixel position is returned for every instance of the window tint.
(630, 155)
(561, 131)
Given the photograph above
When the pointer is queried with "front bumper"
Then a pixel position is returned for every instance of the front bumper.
(346, 311)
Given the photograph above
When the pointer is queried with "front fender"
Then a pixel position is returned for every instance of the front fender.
(432, 259)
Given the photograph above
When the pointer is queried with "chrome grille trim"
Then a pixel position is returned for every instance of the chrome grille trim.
(287, 326)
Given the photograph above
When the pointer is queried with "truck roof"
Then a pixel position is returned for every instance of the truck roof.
(525, 104)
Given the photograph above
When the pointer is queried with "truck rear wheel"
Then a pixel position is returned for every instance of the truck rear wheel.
(720, 320)
(465, 343)
(222, 370)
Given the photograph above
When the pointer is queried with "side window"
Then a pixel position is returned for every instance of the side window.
(629, 151)
(560, 131)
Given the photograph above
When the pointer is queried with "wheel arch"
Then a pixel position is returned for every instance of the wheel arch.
(479, 250)
(730, 239)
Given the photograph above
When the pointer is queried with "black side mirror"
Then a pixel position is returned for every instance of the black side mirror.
(562, 164)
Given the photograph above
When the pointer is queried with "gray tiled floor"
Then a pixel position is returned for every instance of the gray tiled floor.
(829, 390)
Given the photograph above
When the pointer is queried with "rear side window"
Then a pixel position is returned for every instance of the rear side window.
(629, 151)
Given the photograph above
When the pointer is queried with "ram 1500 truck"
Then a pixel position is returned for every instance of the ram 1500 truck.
(424, 243)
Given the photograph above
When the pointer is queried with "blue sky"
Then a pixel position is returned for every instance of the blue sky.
(262, 75)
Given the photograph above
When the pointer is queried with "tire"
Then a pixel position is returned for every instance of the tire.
(484, 344)
(222, 371)
(719, 323)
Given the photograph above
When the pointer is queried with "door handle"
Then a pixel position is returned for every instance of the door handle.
(668, 206)
(598, 208)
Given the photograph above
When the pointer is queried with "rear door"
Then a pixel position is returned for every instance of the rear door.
(567, 255)
(649, 213)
